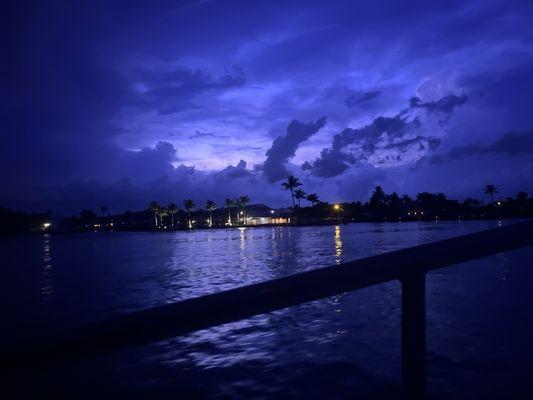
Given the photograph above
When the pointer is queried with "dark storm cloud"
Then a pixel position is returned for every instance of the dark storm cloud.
(356, 145)
(238, 171)
(208, 136)
(398, 133)
(284, 147)
(511, 145)
(179, 89)
(329, 164)
(144, 165)
(336, 160)
(446, 104)
(58, 99)
(509, 92)
(356, 99)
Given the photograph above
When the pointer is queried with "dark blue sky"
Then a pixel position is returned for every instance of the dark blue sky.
(123, 102)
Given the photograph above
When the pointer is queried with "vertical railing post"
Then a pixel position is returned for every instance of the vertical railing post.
(414, 335)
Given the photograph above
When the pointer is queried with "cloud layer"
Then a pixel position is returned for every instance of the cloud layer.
(125, 103)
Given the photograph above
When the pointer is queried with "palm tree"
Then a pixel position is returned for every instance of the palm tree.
(189, 206)
(291, 184)
(210, 206)
(229, 203)
(242, 203)
(378, 195)
(312, 198)
(394, 198)
(172, 210)
(491, 191)
(156, 209)
(299, 194)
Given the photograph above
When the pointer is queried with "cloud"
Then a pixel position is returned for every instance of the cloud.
(512, 145)
(356, 99)
(353, 146)
(328, 164)
(284, 147)
(386, 140)
(445, 104)
(172, 91)
(238, 171)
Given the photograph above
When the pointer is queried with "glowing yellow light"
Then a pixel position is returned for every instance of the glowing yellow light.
(336, 207)
(47, 225)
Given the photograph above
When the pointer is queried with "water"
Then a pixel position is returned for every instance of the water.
(479, 314)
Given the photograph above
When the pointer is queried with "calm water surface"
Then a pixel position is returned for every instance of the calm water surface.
(480, 314)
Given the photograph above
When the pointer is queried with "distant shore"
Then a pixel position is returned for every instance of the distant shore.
(217, 228)
(381, 207)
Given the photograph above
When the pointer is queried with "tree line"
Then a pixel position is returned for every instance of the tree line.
(160, 212)
(380, 207)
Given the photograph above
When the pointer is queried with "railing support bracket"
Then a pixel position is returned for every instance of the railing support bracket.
(414, 335)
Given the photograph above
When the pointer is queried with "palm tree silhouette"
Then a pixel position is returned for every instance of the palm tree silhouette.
(156, 209)
(299, 194)
(242, 202)
(229, 203)
(491, 191)
(312, 198)
(291, 184)
(172, 210)
(189, 206)
(378, 195)
(210, 206)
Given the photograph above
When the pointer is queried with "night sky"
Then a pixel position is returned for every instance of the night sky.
(119, 103)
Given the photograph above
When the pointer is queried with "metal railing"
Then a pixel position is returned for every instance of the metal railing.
(409, 266)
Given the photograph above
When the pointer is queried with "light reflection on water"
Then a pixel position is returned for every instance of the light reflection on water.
(47, 275)
(338, 244)
(350, 339)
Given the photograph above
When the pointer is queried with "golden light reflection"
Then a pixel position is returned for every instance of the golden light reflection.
(338, 244)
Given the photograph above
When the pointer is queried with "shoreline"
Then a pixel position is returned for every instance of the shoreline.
(295, 225)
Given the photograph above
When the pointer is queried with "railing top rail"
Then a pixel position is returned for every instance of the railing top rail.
(186, 316)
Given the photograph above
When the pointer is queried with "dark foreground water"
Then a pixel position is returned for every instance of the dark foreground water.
(480, 314)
